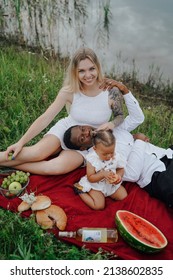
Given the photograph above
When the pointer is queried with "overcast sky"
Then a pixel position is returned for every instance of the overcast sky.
(142, 30)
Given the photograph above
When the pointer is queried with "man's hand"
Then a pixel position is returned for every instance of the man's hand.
(106, 126)
(108, 84)
(141, 136)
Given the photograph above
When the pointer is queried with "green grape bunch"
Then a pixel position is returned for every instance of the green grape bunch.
(18, 176)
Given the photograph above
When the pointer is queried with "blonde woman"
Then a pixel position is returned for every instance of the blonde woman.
(89, 104)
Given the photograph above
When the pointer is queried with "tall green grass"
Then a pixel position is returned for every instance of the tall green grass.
(29, 82)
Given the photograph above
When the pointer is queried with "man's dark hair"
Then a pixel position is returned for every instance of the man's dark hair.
(67, 139)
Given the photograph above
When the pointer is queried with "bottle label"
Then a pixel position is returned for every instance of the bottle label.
(95, 235)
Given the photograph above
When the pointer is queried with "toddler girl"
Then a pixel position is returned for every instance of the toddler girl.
(105, 170)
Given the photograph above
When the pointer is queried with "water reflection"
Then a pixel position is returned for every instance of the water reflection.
(143, 31)
(123, 33)
(140, 31)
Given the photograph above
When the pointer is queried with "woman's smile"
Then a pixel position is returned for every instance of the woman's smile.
(87, 72)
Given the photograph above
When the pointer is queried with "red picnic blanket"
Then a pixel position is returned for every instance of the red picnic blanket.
(60, 190)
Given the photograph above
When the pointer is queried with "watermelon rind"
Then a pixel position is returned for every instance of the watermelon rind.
(134, 241)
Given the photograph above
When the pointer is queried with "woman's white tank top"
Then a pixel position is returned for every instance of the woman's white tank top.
(84, 110)
(93, 111)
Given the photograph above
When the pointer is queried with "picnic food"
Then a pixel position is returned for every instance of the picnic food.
(43, 220)
(14, 184)
(14, 187)
(10, 156)
(36, 203)
(47, 215)
(41, 202)
(113, 178)
(139, 233)
(23, 206)
(18, 176)
(53, 215)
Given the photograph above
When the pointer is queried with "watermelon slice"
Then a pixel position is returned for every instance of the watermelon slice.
(139, 233)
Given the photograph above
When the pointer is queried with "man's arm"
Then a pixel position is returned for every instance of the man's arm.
(135, 115)
(134, 166)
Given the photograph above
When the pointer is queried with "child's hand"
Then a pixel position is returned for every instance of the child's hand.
(119, 179)
(114, 178)
(107, 175)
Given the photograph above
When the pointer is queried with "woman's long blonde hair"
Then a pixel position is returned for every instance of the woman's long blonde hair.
(71, 81)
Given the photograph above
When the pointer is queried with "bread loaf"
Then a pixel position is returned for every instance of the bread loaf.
(57, 213)
(43, 220)
(23, 206)
(42, 202)
(52, 215)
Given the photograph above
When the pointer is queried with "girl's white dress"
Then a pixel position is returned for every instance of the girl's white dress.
(106, 188)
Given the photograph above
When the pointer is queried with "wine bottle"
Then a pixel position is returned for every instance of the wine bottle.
(93, 235)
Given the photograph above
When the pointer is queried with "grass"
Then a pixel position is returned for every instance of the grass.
(23, 239)
(29, 82)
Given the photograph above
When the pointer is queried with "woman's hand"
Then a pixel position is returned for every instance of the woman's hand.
(108, 84)
(14, 149)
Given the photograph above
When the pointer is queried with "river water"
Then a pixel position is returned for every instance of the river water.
(140, 33)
